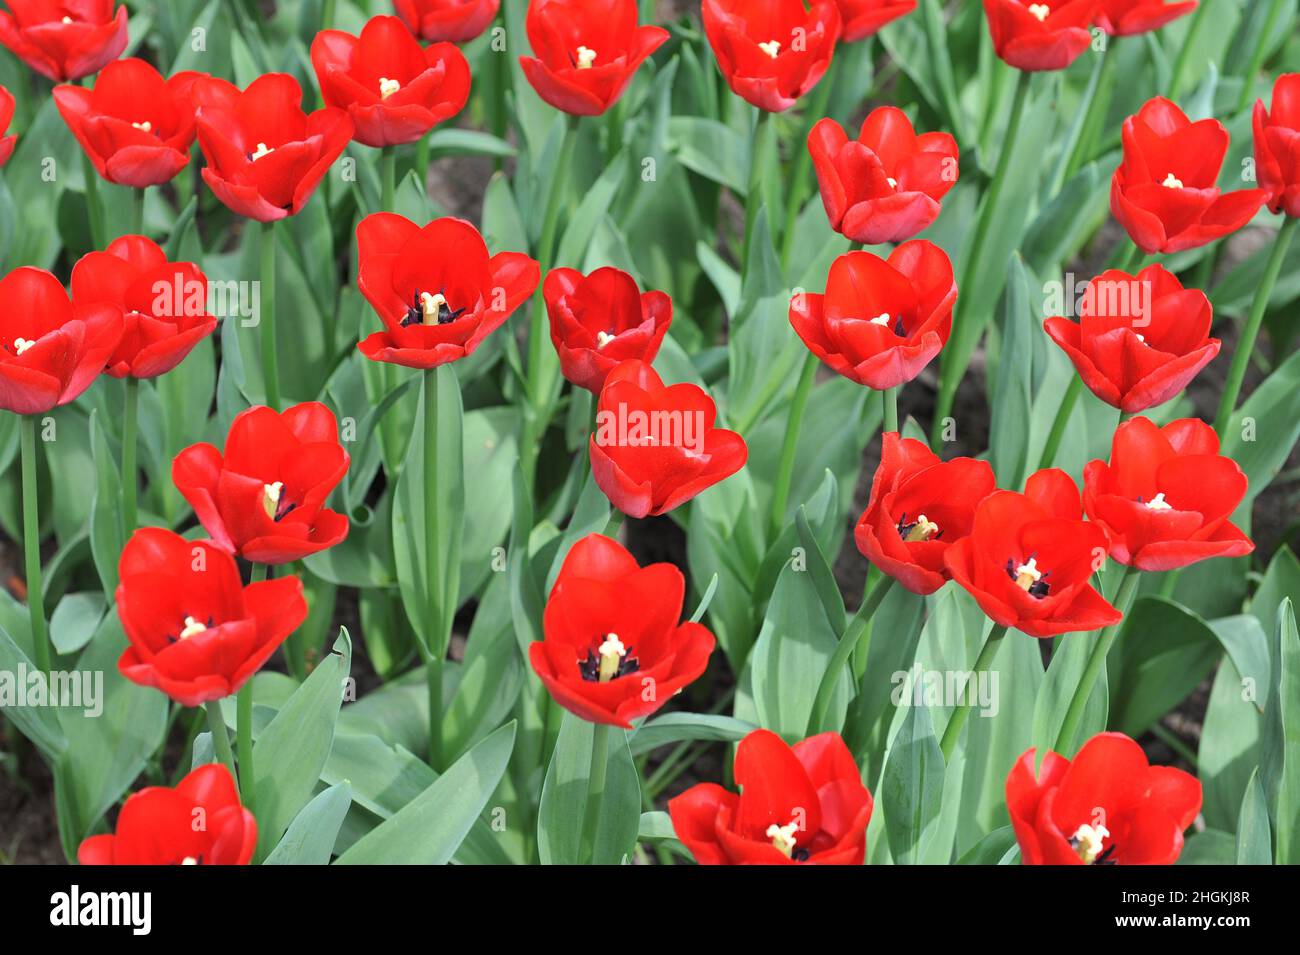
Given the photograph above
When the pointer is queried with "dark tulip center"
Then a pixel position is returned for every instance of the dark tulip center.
(921, 529)
(430, 309)
(189, 627)
(608, 661)
(1029, 577)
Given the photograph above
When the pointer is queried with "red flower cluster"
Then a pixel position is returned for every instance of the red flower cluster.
(157, 825)
(772, 53)
(800, 804)
(614, 650)
(64, 41)
(1108, 806)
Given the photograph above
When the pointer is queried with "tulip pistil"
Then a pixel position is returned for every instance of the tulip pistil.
(1172, 182)
(586, 57)
(192, 860)
(388, 87)
(274, 502)
(609, 660)
(22, 344)
(603, 339)
(193, 627)
(881, 319)
(921, 529)
(431, 309)
(1158, 503)
(784, 838)
(1028, 577)
(1040, 10)
(771, 48)
(262, 150)
(144, 127)
(1087, 842)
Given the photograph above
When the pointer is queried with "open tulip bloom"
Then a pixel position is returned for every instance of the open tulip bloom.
(602, 432)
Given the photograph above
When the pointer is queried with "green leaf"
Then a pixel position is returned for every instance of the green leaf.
(1069, 659)
(1254, 835)
(75, 620)
(1265, 428)
(991, 849)
(678, 727)
(310, 837)
(107, 537)
(430, 828)
(1280, 743)
(912, 786)
(1012, 396)
(37, 723)
(563, 808)
(711, 149)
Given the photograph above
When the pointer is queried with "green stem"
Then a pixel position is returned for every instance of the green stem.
(1257, 55)
(1246, 345)
(961, 711)
(843, 651)
(889, 400)
(130, 440)
(32, 544)
(1185, 51)
(221, 737)
(327, 14)
(541, 372)
(1094, 107)
(137, 211)
(270, 365)
(798, 181)
(1096, 660)
(98, 238)
(436, 628)
(785, 468)
(953, 364)
(1062, 419)
(388, 177)
(595, 788)
(244, 740)
(760, 129)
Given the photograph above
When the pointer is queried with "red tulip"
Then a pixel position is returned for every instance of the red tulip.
(919, 507)
(136, 127)
(614, 650)
(1139, 339)
(200, 822)
(164, 303)
(394, 90)
(196, 632)
(263, 500)
(655, 446)
(1034, 35)
(864, 18)
(885, 186)
(1164, 193)
(586, 51)
(457, 21)
(1167, 496)
(771, 52)
(1127, 17)
(436, 288)
(265, 156)
(1277, 145)
(881, 320)
(804, 803)
(6, 117)
(50, 349)
(66, 40)
(602, 319)
(1029, 558)
(1108, 806)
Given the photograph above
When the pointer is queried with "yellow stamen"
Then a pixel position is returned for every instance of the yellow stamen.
(1087, 842)
(881, 319)
(771, 48)
(271, 498)
(1040, 10)
(603, 339)
(388, 87)
(145, 127)
(923, 530)
(262, 150)
(611, 652)
(22, 344)
(1028, 574)
(586, 57)
(192, 627)
(1172, 182)
(1158, 503)
(783, 837)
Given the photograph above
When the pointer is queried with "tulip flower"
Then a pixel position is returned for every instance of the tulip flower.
(586, 51)
(136, 127)
(881, 321)
(64, 41)
(265, 156)
(655, 446)
(1107, 806)
(614, 650)
(436, 288)
(455, 21)
(394, 90)
(864, 18)
(1277, 145)
(885, 186)
(771, 52)
(51, 349)
(919, 507)
(1140, 338)
(1029, 559)
(196, 632)
(1037, 35)
(1165, 192)
(797, 804)
(157, 825)
(1128, 17)
(602, 319)
(6, 117)
(164, 304)
(263, 499)
(1166, 497)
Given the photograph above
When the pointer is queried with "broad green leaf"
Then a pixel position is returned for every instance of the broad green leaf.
(564, 804)
(309, 839)
(912, 787)
(1254, 834)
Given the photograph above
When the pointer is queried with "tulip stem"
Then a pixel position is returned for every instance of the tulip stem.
(130, 440)
(889, 401)
(437, 629)
(1246, 344)
(595, 789)
(270, 367)
(961, 711)
(95, 211)
(32, 544)
(1096, 105)
(1257, 55)
(785, 468)
(244, 741)
(848, 644)
(327, 14)
(1096, 660)
(954, 361)
(137, 211)
(1068, 401)
(220, 737)
(817, 106)
(388, 177)
(1185, 51)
